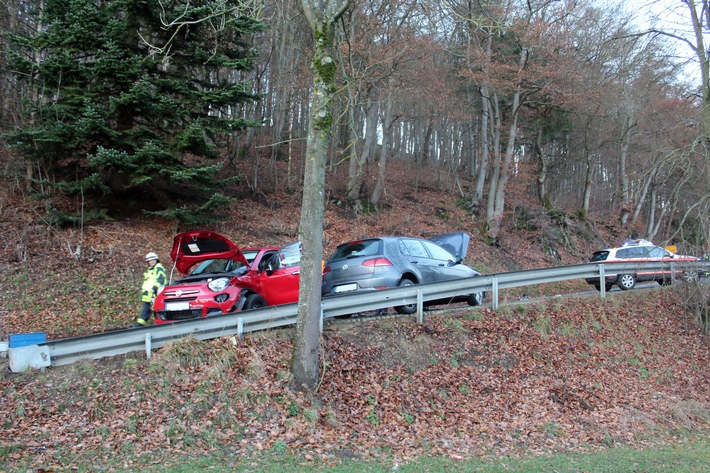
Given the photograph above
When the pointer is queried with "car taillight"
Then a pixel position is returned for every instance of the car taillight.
(326, 270)
(377, 262)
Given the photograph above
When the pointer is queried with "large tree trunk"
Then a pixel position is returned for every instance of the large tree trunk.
(495, 216)
(34, 100)
(352, 144)
(357, 181)
(542, 174)
(321, 17)
(496, 160)
(384, 150)
(587, 192)
(700, 26)
(642, 198)
(482, 171)
(626, 204)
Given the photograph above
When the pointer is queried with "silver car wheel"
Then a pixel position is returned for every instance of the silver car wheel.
(476, 298)
(627, 281)
(409, 308)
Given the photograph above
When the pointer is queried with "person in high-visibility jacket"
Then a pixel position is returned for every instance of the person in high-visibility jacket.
(153, 280)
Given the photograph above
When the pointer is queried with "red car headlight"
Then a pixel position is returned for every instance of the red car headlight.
(218, 285)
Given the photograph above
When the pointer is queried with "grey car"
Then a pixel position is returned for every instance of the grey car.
(391, 261)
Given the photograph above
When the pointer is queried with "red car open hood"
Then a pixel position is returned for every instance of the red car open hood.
(190, 248)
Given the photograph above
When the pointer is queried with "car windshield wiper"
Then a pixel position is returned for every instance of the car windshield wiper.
(194, 277)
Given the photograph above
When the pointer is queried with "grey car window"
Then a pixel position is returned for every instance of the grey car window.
(657, 252)
(438, 252)
(600, 256)
(644, 251)
(639, 252)
(625, 253)
(413, 248)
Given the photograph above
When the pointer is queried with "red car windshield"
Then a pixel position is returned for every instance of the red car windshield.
(219, 266)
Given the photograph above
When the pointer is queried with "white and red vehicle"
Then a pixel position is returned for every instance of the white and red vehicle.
(638, 251)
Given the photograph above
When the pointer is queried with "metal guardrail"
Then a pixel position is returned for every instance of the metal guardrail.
(70, 350)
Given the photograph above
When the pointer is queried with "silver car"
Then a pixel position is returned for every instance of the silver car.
(387, 262)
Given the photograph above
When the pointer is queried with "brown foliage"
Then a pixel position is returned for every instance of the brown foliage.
(587, 376)
(537, 378)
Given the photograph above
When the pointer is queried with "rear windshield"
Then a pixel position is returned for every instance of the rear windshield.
(600, 256)
(355, 249)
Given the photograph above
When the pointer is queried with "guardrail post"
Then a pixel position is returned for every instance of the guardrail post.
(602, 281)
(320, 322)
(240, 328)
(148, 345)
(494, 293)
(420, 307)
(673, 281)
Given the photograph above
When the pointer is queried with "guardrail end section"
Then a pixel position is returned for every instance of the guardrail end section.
(29, 356)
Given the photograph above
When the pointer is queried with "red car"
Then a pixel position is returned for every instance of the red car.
(221, 278)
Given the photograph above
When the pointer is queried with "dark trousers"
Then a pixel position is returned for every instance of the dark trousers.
(146, 311)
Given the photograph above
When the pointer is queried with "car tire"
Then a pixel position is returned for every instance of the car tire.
(410, 308)
(607, 287)
(476, 298)
(255, 301)
(690, 276)
(626, 281)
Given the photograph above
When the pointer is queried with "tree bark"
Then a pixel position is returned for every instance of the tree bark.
(384, 150)
(700, 25)
(642, 197)
(625, 208)
(496, 161)
(321, 16)
(495, 217)
(357, 179)
(542, 175)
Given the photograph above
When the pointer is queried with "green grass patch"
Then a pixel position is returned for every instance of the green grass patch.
(685, 457)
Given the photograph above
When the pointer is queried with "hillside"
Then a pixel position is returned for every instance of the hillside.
(577, 374)
(83, 280)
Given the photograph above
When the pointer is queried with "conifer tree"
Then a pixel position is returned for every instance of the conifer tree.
(133, 97)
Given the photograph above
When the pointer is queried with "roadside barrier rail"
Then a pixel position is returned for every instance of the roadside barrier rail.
(70, 350)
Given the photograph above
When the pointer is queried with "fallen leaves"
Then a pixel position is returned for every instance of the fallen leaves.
(583, 374)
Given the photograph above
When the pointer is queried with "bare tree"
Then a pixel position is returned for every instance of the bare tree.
(321, 16)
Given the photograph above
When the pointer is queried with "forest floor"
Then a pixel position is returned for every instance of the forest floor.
(556, 374)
